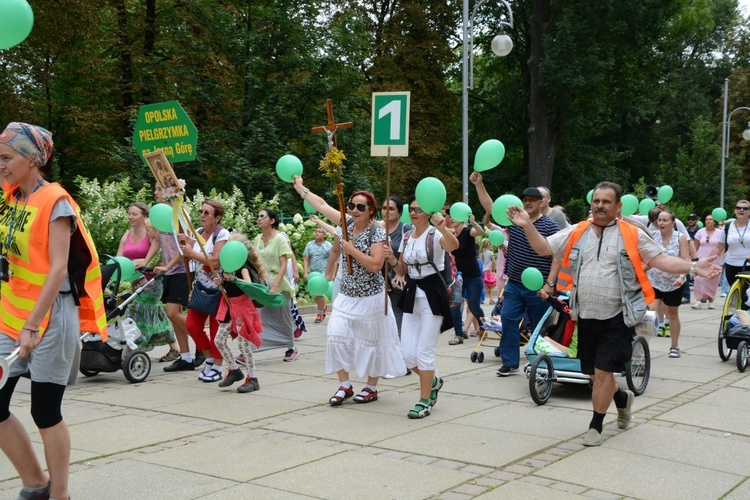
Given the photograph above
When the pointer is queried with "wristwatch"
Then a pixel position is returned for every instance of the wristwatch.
(551, 284)
(692, 270)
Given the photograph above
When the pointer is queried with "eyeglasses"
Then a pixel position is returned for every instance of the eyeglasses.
(359, 206)
(206, 212)
(415, 210)
(742, 208)
(262, 216)
(706, 239)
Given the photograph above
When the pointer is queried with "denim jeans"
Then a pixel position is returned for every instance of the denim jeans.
(473, 291)
(518, 301)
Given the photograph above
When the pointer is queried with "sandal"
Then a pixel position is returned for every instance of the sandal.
(172, 355)
(434, 392)
(337, 400)
(456, 341)
(420, 410)
(366, 396)
(213, 376)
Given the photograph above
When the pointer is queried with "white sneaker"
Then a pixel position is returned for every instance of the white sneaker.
(711, 305)
(697, 305)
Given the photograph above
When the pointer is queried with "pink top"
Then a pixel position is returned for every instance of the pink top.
(135, 250)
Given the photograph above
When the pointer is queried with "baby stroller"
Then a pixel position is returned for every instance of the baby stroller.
(738, 338)
(543, 372)
(492, 329)
(119, 351)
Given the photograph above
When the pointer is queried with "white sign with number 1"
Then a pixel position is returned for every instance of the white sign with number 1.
(390, 123)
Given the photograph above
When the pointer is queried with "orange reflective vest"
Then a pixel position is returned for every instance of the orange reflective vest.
(28, 254)
(629, 235)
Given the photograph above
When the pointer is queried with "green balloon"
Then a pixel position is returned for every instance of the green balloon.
(160, 216)
(287, 167)
(665, 194)
(645, 205)
(317, 285)
(405, 215)
(700, 224)
(719, 214)
(233, 256)
(532, 278)
(497, 237)
(489, 155)
(500, 208)
(460, 211)
(590, 196)
(308, 208)
(329, 292)
(311, 274)
(16, 21)
(430, 194)
(629, 205)
(126, 268)
(134, 277)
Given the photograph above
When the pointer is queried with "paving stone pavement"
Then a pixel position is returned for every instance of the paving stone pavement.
(174, 436)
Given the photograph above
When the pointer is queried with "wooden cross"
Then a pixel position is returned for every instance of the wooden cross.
(332, 126)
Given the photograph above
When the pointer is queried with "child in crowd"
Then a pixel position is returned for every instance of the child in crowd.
(315, 260)
(488, 268)
(240, 319)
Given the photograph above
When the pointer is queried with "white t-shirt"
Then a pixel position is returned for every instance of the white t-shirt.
(739, 244)
(415, 255)
(200, 270)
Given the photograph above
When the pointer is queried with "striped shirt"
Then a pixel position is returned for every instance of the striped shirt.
(520, 254)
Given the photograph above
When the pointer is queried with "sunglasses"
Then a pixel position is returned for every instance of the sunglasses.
(206, 212)
(415, 210)
(359, 206)
(262, 216)
(742, 208)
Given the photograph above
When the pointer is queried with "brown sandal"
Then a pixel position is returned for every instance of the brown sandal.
(456, 341)
(337, 400)
(366, 396)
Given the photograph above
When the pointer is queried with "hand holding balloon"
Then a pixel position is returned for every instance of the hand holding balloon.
(532, 278)
(287, 167)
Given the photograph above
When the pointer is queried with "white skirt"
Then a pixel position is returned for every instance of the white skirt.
(362, 338)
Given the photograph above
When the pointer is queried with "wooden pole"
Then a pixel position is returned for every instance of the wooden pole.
(344, 231)
(387, 229)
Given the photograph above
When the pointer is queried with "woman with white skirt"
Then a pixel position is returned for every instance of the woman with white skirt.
(361, 337)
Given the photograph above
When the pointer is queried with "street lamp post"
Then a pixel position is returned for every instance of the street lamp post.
(501, 46)
(725, 136)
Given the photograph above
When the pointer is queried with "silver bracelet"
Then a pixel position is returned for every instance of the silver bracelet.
(307, 191)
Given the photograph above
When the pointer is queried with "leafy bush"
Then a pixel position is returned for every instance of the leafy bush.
(104, 209)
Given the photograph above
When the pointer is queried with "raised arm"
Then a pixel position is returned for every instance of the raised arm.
(484, 197)
(318, 203)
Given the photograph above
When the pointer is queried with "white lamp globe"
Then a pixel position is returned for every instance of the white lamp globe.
(502, 44)
(746, 133)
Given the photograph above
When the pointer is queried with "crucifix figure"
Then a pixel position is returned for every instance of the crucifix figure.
(331, 128)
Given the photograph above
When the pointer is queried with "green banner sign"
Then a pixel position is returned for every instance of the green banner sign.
(390, 124)
(165, 126)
